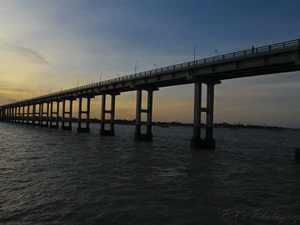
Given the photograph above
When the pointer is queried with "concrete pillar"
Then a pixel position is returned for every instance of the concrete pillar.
(67, 115)
(138, 114)
(19, 114)
(87, 112)
(54, 115)
(8, 114)
(13, 114)
(37, 116)
(210, 111)
(34, 117)
(208, 142)
(45, 114)
(41, 107)
(28, 114)
(1, 114)
(23, 114)
(138, 135)
(111, 131)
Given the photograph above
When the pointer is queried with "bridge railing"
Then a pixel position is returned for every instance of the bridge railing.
(210, 60)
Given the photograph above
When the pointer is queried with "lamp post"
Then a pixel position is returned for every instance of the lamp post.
(195, 52)
(155, 66)
(101, 75)
(217, 52)
(135, 67)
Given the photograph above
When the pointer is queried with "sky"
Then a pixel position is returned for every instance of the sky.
(48, 46)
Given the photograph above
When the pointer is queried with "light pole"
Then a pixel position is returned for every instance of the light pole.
(155, 66)
(135, 67)
(195, 52)
(101, 75)
(217, 52)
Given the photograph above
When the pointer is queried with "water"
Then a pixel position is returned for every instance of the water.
(61, 177)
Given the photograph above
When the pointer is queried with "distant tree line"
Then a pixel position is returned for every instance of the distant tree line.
(176, 123)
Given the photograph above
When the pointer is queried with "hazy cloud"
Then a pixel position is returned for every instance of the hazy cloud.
(30, 54)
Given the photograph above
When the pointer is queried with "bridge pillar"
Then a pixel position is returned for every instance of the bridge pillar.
(13, 118)
(28, 114)
(85, 129)
(44, 115)
(2, 114)
(208, 142)
(35, 115)
(6, 114)
(19, 114)
(23, 114)
(111, 131)
(12, 114)
(54, 115)
(67, 115)
(138, 135)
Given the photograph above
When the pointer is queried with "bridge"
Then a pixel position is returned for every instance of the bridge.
(44, 110)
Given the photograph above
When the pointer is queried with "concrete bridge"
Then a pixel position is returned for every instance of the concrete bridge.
(44, 110)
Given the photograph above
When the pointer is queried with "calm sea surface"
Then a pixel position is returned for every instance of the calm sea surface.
(50, 176)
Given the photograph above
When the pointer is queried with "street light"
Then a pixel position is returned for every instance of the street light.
(195, 52)
(135, 67)
(155, 66)
(100, 75)
(217, 52)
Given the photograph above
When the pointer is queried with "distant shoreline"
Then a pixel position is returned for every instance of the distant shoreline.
(219, 125)
(234, 126)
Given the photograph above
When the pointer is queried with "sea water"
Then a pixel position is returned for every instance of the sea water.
(50, 176)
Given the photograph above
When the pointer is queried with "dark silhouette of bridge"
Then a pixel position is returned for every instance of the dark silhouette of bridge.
(44, 110)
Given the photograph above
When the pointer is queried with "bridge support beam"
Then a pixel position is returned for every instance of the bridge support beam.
(67, 115)
(138, 135)
(11, 114)
(111, 130)
(208, 142)
(7, 115)
(54, 115)
(19, 114)
(28, 114)
(85, 129)
(35, 115)
(44, 118)
(2, 114)
(23, 114)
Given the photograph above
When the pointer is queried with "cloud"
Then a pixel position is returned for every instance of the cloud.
(28, 53)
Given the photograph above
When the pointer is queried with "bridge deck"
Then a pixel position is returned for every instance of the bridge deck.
(275, 58)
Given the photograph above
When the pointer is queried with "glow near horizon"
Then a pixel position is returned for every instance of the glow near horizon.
(48, 46)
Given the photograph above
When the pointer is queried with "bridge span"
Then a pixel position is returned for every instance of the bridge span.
(44, 110)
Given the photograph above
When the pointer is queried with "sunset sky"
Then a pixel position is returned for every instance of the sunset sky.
(47, 46)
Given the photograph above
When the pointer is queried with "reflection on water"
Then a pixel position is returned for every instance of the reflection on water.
(61, 177)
